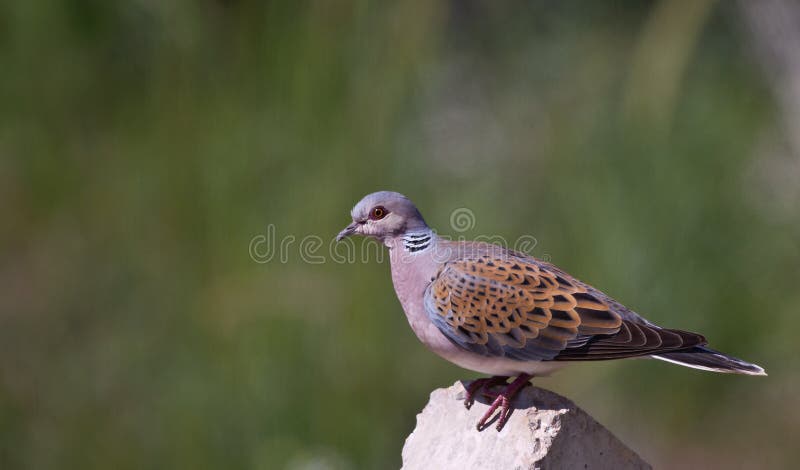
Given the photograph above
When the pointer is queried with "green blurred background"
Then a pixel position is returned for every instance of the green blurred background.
(650, 148)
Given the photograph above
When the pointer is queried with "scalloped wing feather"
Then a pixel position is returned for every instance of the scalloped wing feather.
(521, 308)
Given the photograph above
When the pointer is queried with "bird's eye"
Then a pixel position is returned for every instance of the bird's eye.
(378, 213)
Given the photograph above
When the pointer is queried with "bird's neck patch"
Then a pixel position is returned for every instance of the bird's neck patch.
(417, 241)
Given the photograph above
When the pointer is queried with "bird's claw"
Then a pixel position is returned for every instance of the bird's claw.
(502, 400)
(476, 385)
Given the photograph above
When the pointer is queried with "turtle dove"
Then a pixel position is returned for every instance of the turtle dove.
(498, 312)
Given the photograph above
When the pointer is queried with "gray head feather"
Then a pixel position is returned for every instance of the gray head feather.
(401, 216)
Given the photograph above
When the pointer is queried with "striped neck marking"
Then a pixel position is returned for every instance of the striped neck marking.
(414, 242)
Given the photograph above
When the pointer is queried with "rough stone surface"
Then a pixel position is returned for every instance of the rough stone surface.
(544, 431)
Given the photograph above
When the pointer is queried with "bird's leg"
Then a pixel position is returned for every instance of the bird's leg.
(503, 401)
(478, 384)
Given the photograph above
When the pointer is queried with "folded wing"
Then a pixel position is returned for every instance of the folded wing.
(505, 304)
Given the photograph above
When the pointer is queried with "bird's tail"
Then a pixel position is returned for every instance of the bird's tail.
(701, 357)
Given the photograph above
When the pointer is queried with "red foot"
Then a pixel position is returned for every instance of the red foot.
(503, 401)
(478, 384)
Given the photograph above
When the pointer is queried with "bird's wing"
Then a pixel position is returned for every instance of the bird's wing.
(510, 305)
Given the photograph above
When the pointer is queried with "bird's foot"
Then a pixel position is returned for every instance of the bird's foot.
(502, 400)
(476, 385)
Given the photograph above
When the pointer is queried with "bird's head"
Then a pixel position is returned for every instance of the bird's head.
(383, 215)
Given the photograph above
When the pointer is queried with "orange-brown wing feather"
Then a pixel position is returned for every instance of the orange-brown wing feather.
(516, 307)
(525, 309)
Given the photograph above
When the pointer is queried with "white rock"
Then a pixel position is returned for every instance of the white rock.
(544, 431)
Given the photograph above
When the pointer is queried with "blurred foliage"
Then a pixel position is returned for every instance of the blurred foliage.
(143, 145)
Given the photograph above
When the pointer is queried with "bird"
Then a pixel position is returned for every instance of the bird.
(506, 314)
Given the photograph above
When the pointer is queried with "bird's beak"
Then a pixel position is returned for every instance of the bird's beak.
(349, 230)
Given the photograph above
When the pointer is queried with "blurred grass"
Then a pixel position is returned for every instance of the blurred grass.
(143, 145)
